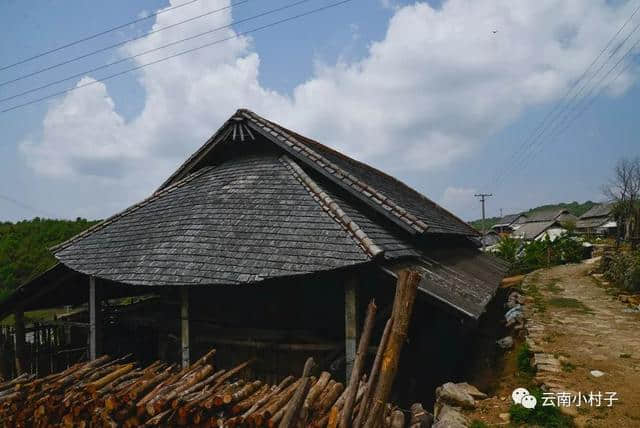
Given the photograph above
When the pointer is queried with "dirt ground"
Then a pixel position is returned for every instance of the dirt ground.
(587, 328)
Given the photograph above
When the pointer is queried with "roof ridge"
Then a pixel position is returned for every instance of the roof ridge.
(332, 208)
(359, 163)
(372, 194)
(220, 134)
(129, 210)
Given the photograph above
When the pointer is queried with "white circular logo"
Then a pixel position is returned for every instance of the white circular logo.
(529, 402)
(518, 394)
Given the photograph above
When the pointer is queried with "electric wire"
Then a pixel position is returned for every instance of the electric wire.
(539, 130)
(25, 206)
(139, 54)
(235, 36)
(93, 36)
(115, 45)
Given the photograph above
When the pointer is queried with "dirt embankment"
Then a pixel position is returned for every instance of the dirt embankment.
(588, 330)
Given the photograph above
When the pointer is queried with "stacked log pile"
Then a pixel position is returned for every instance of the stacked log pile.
(110, 392)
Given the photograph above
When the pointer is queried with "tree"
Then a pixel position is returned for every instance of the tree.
(624, 191)
(24, 248)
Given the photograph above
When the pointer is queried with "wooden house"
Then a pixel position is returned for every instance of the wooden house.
(268, 244)
(560, 215)
(509, 223)
(599, 220)
(539, 230)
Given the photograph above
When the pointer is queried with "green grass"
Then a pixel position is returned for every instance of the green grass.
(538, 299)
(523, 361)
(544, 416)
(478, 424)
(569, 303)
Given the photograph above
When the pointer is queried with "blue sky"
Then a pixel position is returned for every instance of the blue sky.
(426, 92)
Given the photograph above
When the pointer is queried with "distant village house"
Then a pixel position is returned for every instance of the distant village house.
(598, 220)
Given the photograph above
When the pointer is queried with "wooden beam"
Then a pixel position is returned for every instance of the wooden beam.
(20, 340)
(184, 326)
(95, 318)
(408, 280)
(350, 323)
(26, 301)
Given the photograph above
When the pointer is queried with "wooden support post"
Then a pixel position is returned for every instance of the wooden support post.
(95, 318)
(406, 288)
(184, 324)
(350, 323)
(20, 341)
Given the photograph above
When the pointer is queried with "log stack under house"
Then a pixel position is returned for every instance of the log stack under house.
(269, 246)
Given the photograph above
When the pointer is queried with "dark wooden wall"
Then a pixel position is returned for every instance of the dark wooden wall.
(282, 323)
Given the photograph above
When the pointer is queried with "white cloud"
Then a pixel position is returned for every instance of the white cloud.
(429, 93)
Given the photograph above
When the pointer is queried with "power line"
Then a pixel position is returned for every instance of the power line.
(93, 36)
(25, 206)
(584, 104)
(588, 103)
(122, 43)
(563, 102)
(564, 105)
(237, 35)
(560, 129)
(570, 107)
(176, 42)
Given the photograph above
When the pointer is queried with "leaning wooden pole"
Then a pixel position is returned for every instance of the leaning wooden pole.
(408, 280)
(290, 418)
(373, 376)
(352, 389)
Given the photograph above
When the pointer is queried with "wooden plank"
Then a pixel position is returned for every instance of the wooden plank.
(95, 318)
(350, 323)
(20, 340)
(184, 326)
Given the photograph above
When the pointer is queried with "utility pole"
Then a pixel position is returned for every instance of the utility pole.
(500, 212)
(483, 197)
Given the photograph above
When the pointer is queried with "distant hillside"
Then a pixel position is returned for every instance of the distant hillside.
(574, 208)
(24, 248)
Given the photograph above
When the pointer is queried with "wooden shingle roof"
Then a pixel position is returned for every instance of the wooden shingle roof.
(258, 202)
(591, 222)
(462, 278)
(245, 220)
(381, 192)
(547, 215)
(600, 210)
(532, 230)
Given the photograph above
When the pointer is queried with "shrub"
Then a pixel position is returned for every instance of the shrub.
(570, 249)
(507, 248)
(523, 360)
(534, 255)
(544, 416)
(623, 270)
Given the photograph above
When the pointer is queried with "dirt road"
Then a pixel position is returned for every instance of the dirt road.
(587, 328)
